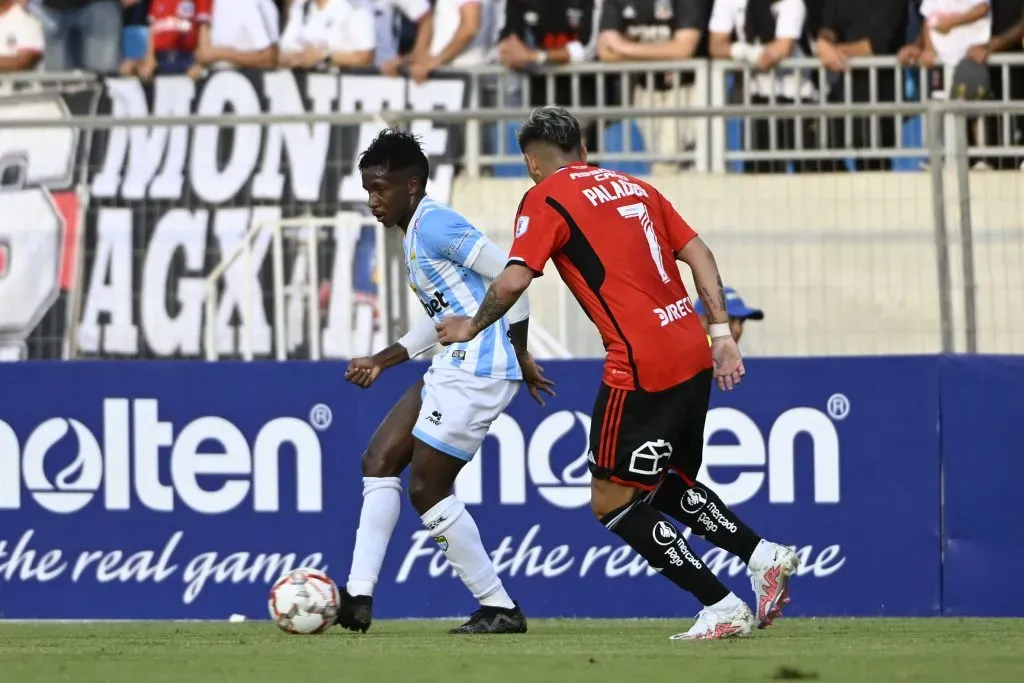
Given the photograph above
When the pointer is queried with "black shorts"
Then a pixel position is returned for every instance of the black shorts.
(635, 435)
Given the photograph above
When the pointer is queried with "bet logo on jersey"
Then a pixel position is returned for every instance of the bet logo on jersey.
(435, 304)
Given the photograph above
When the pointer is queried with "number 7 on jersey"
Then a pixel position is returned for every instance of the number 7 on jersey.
(639, 211)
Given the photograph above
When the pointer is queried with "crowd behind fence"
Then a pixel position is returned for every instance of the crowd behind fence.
(842, 263)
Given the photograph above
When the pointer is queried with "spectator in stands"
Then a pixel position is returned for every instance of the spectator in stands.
(23, 48)
(173, 34)
(1007, 38)
(241, 33)
(328, 33)
(391, 16)
(456, 37)
(656, 30)
(864, 28)
(766, 31)
(739, 313)
(83, 34)
(538, 32)
(953, 30)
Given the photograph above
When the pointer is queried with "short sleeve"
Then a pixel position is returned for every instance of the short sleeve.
(30, 37)
(927, 8)
(722, 17)
(204, 10)
(261, 23)
(691, 15)
(679, 231)
(539, 233)
(611, 17)
(448, 235)
(789, 22)
(360, 30)
(512, 23)
(414, 10)
(293, 29)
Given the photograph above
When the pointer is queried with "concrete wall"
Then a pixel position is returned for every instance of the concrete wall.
(841, 263)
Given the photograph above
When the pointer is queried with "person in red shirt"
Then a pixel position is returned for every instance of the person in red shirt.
(173, 36)
(614, 240)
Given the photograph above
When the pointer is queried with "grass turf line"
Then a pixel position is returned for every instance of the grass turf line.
(560, 651)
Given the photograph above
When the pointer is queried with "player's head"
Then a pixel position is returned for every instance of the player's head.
(395, 172)
(550, 139)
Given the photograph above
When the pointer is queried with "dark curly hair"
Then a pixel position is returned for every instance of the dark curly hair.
(397, 150)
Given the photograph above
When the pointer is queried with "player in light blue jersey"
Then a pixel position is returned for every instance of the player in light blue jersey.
(439, 423)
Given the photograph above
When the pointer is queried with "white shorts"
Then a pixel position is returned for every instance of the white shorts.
(458, 409)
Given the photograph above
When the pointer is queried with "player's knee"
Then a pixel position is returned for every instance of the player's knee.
(381, 462)
(423, 492)
(607, 497)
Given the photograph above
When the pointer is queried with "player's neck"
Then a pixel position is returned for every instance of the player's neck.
(560, 164)
(404, 223)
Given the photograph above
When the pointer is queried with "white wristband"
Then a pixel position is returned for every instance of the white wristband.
(720, 330)
(738, 52)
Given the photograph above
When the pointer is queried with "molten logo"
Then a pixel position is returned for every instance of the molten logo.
(129, 463)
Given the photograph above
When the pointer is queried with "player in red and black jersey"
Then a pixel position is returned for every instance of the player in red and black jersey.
(614, 240)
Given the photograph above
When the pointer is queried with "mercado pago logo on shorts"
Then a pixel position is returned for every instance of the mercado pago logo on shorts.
(118, 464)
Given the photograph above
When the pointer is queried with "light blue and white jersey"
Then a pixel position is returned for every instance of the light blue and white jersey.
(440, 249)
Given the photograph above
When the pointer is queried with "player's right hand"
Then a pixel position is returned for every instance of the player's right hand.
(362, 372)
(728, 363)
(536, 382)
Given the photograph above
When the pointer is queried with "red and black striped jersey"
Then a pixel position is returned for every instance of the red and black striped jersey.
(614, 239)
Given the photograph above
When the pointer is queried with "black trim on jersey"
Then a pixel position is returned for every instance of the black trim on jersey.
(582, 255)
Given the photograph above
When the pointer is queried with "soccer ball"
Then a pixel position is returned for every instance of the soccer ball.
(304, 601)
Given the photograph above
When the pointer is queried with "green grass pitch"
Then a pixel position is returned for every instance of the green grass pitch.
(560, 651)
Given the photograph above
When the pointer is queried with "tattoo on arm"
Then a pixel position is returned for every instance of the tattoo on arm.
(721, 294)
(518, 334)
(714, 303)
(491, 309)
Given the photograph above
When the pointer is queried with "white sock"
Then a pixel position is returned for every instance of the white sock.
(763, 555)
(727, 604)
(382, 501)
(457, 534)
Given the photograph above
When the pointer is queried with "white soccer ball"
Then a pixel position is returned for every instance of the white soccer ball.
(304, 601)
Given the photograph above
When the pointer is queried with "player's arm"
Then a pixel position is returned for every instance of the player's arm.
(691, 250)
(363, 372)
(490, 262)
(540, 232)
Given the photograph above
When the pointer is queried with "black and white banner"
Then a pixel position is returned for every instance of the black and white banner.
(165, 204)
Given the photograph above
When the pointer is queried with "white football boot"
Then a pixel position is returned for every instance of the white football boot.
(716, 624)
(771, 568)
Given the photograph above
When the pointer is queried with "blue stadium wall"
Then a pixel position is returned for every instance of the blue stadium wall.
(159, 490)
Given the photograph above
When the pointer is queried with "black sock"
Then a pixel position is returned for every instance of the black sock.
(655, 539)
(700, 508)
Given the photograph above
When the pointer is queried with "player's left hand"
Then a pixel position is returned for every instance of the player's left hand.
(362, 372)
(533, 375)
(458, 328)
(728, 363)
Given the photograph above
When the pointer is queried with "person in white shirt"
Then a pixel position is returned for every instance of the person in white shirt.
(386, 14)
(23, 48)
(333, 32)
(456, 38)
(953, 29)
(767, 31)
(241, 33)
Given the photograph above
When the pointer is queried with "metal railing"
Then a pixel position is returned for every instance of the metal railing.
(951, 240)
